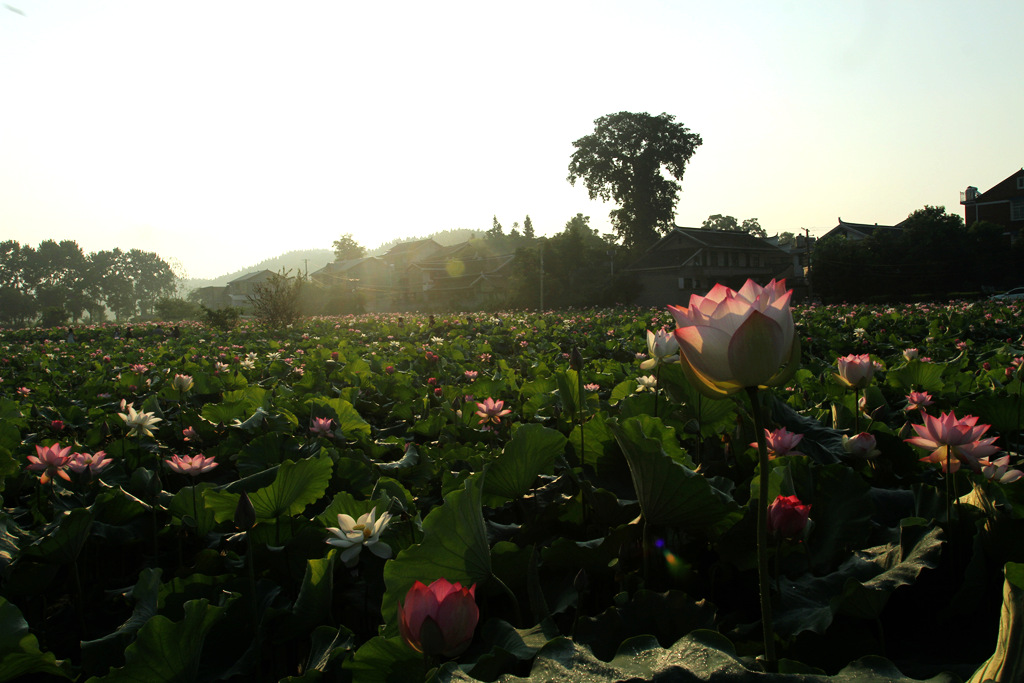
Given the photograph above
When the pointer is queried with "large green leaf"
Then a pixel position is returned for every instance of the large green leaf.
(108, 651)
(346, 417)
(670, 493)
(860, 587)
(385, 660)
(532, 451)
(297, 485)
(167, 651)
(313, 606)
(64, 542)
(917, 376)
(19, 649)
(454, 547)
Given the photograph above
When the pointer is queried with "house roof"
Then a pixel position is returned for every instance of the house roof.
(682, 244)
(409, 246)
(860, 230)
(1005, 189)
(253, 276)
(339, 267)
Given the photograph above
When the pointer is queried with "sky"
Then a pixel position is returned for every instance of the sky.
(220, 134)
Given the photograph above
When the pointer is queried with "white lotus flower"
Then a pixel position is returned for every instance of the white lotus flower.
(352, 535)
(139, 422)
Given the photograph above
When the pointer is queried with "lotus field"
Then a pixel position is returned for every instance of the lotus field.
(733, 485)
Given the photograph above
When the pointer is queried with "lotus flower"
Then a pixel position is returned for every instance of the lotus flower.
(662, 347)
(438, 619)
(182, 383)
(352, 535)
(861, 446)
(787, 517)
(50, 461)
(321, 426)
(491, 411)
(139, 422)
(95, 462)
(856, 371)
(953, 440)
(731, 340)
(916, 400)
(192, 465)
(998, 470)
(781, 442)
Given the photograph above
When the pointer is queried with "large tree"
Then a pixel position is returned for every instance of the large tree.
(632, 159)
(720, 222)
(346, 248)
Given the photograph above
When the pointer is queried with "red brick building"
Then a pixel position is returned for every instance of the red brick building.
(1003, 204)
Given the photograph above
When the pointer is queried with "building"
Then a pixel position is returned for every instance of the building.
(463, 277)
(691, 261)
(1002, 204)
(236, 293)
(859, 231)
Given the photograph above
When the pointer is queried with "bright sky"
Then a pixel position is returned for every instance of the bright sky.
(222, 133)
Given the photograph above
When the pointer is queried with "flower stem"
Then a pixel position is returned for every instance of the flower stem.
(762, 532)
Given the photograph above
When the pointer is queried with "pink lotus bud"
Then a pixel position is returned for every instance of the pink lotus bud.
(787, 517)
(438, 619)
(856, 371)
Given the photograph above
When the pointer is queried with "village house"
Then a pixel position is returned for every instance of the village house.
(1002, 204)
(692, 260)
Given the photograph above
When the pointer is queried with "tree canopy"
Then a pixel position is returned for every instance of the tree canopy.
(346, 248)
(930, 254)
(720, 222)
(626, 160)
(56, 282)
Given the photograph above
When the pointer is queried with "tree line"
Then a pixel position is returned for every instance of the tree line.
(56, 283)
(932, 254)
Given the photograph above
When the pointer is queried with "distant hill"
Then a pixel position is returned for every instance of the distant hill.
(315, 259)
(445, 238)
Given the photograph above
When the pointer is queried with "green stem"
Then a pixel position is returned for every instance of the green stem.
(657, 386)
(762, 532)
(511, 595)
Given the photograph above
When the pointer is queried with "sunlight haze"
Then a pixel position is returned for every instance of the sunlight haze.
(219, 134)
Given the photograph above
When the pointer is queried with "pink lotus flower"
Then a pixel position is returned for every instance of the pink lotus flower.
(192, 465)
(190, 434)
(50, 461)
(438, 619)
(781, 442)
(910, 354)
(491, 411)
(95, 463)
(731, 340)
(954, 441)
(57, 425)
(787, 517)
(856, 371)
(916, 400)
(321, 426)
(996, 470)
(861, 446)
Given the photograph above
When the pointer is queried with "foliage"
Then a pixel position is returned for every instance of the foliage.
(172, 309)
(609, 531)
(625, 160)
(930, 255)
(58, 281)
(346, 247)
(221, 318)
(720, 222)
(276, 301)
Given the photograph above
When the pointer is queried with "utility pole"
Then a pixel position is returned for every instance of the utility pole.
(542, 275)
(306, 261)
